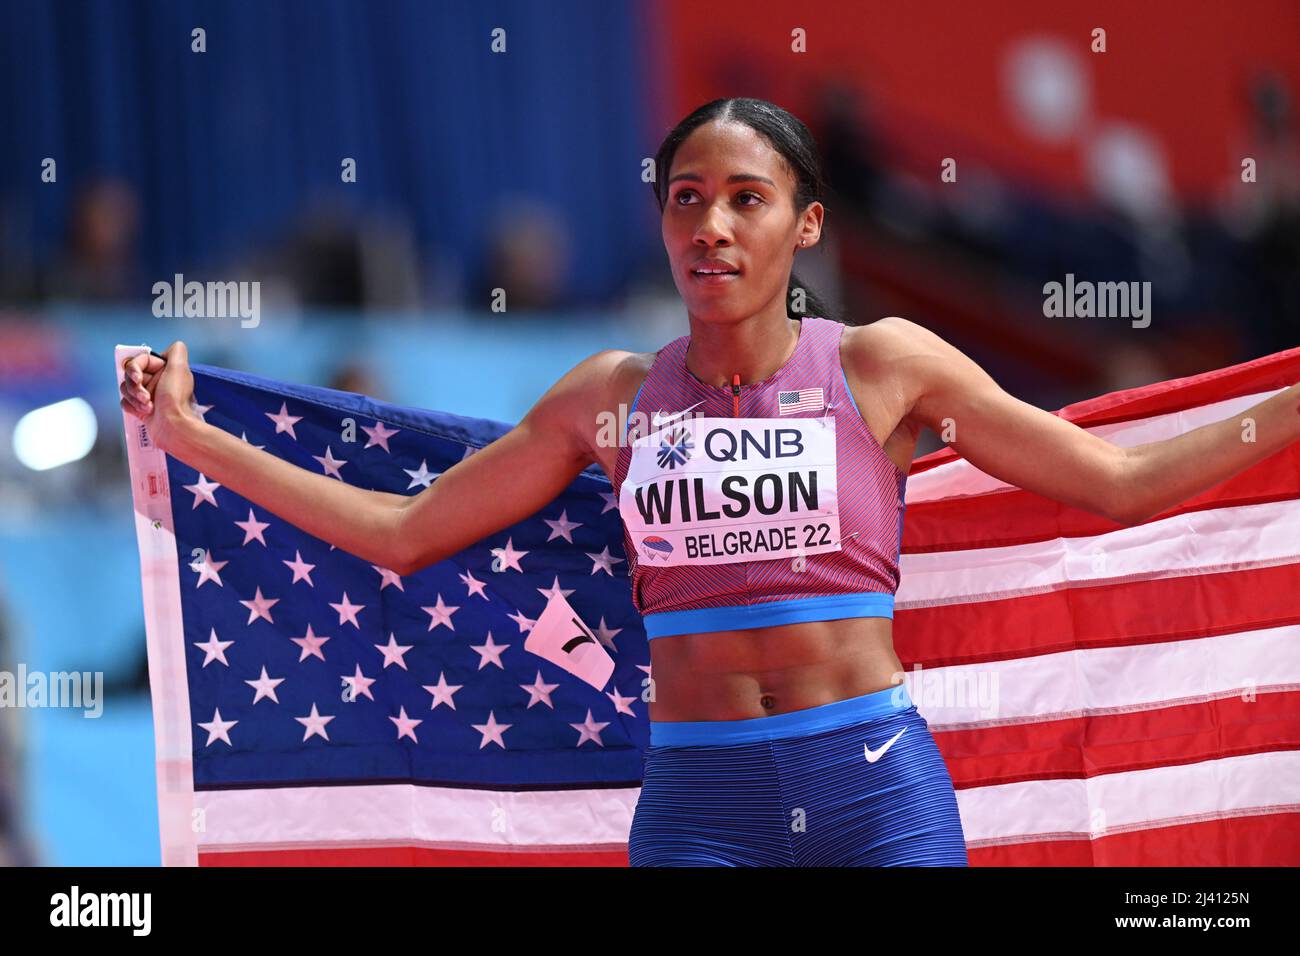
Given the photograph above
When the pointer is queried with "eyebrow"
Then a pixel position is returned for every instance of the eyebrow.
(734, 178)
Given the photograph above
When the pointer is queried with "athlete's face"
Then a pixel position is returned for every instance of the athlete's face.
(731, 197)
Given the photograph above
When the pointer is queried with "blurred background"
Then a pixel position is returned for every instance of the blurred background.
(129, 155)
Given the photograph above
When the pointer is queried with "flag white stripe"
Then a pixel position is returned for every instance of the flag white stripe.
(409, 815)
(1133, 800)
(168, 683)
(1241, 537)
(401, 814)
(960, 478)
(1106, 680)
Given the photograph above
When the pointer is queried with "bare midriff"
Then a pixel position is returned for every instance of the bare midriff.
(736, 675)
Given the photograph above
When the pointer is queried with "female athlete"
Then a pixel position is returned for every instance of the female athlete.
(761, 490)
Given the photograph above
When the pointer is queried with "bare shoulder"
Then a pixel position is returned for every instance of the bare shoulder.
(889, 357)
(599, 383)
(886, 341)
(626, 372)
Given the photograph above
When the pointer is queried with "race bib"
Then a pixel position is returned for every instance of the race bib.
(725, 490)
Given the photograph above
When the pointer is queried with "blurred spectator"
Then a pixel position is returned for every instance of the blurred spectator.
(99, 262)
(528, 257)
(355, 377)
(1264, 215)
(339, 259)
(15, 849)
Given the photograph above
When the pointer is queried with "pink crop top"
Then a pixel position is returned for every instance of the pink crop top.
(789, 512)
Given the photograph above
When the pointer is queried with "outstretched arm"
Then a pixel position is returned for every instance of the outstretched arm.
(490, 490)
(1033, 449)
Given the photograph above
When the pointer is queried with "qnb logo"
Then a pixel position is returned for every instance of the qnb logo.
(765, 444)
(102, 909)
(675, 448)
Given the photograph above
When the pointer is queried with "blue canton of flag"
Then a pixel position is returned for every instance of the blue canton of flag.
(310, 677)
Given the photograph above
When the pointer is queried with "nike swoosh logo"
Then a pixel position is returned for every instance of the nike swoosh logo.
(874, 755)
(658, 419)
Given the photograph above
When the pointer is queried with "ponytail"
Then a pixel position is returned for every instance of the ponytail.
(813, 305)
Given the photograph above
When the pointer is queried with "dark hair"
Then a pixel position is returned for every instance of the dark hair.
(789, 137)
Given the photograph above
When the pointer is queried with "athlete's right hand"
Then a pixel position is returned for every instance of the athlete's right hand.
(160, 391)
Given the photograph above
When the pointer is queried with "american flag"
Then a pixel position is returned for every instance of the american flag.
(1108, 695)
(1101, 695)
(313, 708)
(801, 400)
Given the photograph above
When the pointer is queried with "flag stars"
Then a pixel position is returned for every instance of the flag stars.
(213, 649)
(526, 624)
(379, 435)
(315, 724)
(387, 577)
(284, 422)
(199, 410)
(393, 652)
(610, 503)
(589, 730)
(253, 528)
(219, 729)
(421, 476)
(244, 438)
(348, 611)
(442, 692)
(301, 569)
(489, 652)
(265, 686)
(207, 569)
(203, 491)
(622, 705)
(359, 684)
(440, 614)
(606, 634)
(475, 585)
(539, 692)
(508, 557)
(260, 607)
(492, 732)
(562, 528)
(554, 590)
(603, 561)
(406, 725)
(330, 463)
(310, 644)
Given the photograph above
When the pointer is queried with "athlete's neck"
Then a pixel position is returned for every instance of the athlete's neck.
(756, 348)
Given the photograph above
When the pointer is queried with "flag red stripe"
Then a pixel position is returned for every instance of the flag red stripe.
(1080, 747)
(1104, 615)
(1271, 839)
(1021, 517)
(412, 856)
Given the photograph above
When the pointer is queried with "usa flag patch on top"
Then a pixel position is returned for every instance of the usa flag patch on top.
(804, 400)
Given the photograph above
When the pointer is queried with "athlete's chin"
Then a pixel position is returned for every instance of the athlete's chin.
(718, 309)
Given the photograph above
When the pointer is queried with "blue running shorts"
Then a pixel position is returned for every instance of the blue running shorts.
(857, 782)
